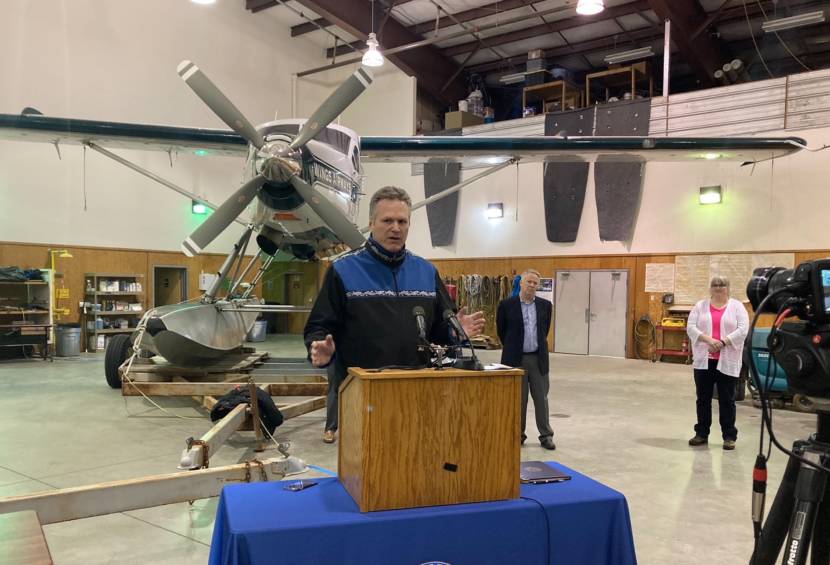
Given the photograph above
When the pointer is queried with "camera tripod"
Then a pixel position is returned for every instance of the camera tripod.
(800, 510)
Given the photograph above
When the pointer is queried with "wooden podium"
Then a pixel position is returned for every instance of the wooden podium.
(428, 437)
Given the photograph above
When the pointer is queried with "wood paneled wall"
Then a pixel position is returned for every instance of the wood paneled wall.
(70, 272)
(639, 302)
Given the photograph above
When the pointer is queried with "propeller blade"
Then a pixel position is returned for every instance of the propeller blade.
(222, 217)
(218, 102)
(346, 231)
(334, 105)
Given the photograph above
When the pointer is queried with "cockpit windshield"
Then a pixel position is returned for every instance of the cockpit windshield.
(333, 138)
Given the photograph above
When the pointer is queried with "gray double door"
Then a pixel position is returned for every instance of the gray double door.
(590, 312)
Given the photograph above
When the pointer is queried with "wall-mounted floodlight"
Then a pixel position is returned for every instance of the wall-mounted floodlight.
(631, 55)
(780, 24)
(710, 195)
(495, 210)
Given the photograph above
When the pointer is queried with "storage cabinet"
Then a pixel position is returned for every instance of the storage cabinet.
(26, 313)
(114, 305)
(674, 343)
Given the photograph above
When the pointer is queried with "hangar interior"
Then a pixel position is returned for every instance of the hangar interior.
(639, 252)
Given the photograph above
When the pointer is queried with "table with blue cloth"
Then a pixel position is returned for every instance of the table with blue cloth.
(579, 521)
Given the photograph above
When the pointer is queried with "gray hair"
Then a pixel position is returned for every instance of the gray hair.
(720, 281)
(388, 193)
(530, 272)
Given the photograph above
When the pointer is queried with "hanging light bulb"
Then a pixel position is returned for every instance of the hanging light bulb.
(372, 56)
(589, 7)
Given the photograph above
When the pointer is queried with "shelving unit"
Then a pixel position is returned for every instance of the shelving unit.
(623, 78)
(114, 305)
(26, 313)
(554, 96)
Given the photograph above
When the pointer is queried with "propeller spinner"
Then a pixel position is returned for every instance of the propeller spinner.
(280, 162)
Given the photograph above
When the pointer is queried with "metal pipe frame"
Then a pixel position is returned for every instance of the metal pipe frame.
(244, 272)
(210, 295)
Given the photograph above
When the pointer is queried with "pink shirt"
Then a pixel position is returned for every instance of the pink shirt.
(717, 314)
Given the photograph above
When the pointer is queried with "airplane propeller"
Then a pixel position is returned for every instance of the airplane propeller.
(346, 231)
(222, 217)
(334, 105)
(279, 165)
(210, 94)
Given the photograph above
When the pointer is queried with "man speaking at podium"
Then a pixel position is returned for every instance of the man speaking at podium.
(363, 316)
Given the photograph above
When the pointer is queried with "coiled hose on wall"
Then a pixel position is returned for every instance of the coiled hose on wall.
(645, 339)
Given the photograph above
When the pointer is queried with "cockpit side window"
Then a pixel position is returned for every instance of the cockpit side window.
(356, 159)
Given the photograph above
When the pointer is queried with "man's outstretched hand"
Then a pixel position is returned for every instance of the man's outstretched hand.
(473, 323)
(322, 351)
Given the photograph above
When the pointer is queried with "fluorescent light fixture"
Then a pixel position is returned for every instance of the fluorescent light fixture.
(632, 55)
(710, 195)
(372, 56)
(806, 19)
(512, 79)
(203, 1)
(589, 7)
(495, 210)
(198, 208)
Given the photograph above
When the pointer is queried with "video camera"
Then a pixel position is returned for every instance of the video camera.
(801, 348)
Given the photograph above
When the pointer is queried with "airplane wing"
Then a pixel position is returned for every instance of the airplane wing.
(32, 127)
(471, 151)
(478, 151)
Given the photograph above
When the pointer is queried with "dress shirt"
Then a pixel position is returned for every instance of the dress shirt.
(530, 344)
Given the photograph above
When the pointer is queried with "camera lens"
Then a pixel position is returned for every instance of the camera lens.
(765, 281)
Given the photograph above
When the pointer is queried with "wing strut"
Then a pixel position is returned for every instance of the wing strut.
(153, 176)
(459, 186)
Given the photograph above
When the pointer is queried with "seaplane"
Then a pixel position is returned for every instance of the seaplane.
(303, 183)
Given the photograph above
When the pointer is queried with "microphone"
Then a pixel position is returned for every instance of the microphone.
(452, 320)
(420, 319)
(472, 363)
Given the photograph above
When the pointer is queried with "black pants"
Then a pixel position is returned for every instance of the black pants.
(705, 382)
(332, 397)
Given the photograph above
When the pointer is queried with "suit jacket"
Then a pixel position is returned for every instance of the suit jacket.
(511, 329)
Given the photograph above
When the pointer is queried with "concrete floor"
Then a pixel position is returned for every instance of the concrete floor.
(623, 422)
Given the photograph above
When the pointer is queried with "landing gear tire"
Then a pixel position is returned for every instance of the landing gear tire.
(118, 349)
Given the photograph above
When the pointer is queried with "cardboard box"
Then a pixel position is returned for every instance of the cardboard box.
(456, 120)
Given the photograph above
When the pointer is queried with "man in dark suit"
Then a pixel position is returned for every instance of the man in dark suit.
(522, 323)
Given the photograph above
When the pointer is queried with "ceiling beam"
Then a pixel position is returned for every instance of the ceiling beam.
(308, 27)
(703, 52)
(435, 72)
(472, 14)
(551, 27)
(594, 45)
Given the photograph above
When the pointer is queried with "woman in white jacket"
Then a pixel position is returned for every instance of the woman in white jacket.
(717, 352)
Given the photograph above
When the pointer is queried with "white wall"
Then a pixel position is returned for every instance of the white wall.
(116, 60)
(783, 206)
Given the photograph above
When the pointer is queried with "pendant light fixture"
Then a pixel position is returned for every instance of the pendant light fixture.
(372, 57)
(589, 7)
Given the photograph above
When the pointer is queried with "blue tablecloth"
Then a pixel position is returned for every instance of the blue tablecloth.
(578, 522)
